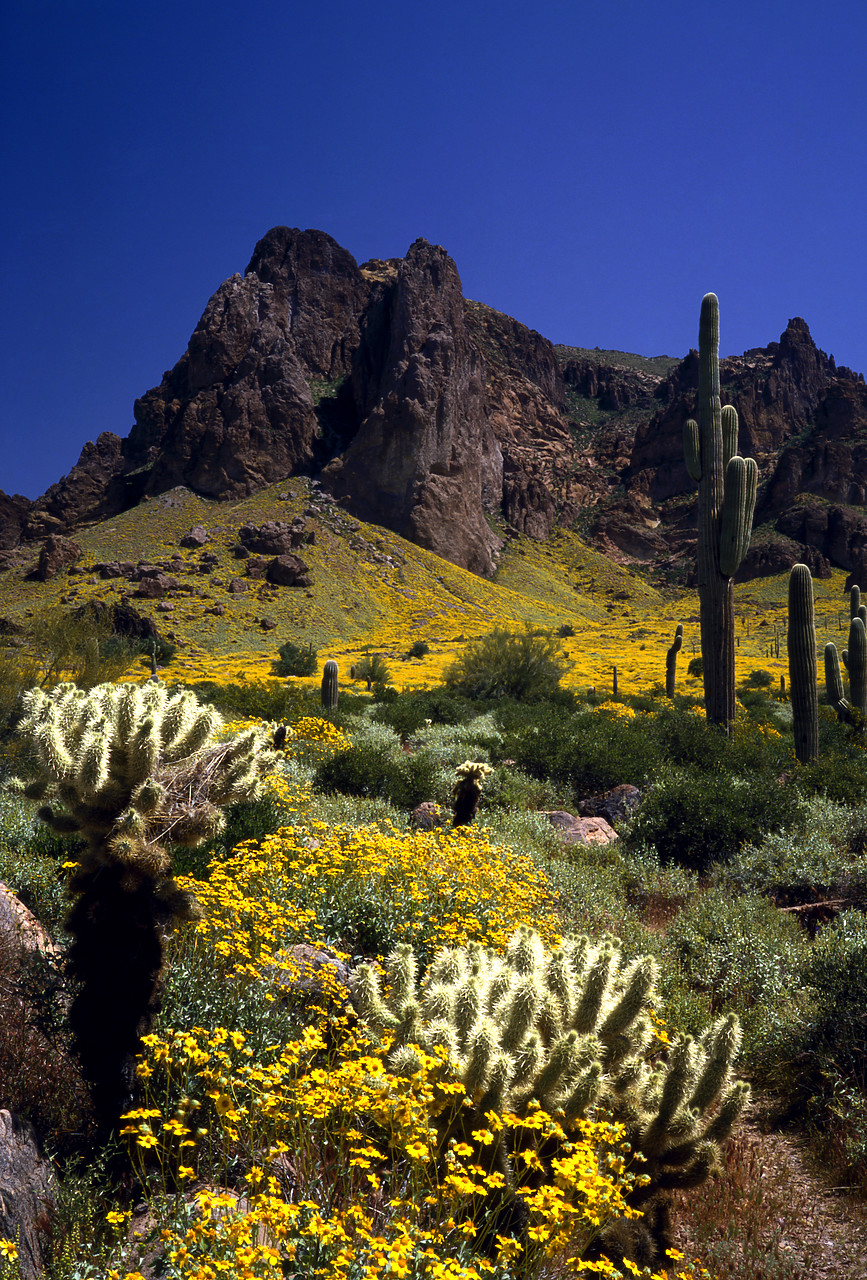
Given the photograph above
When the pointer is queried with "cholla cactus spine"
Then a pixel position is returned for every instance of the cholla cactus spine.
(129, 770)
(525, 1046)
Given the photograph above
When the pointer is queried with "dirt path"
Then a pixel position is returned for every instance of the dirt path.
(774, 1216)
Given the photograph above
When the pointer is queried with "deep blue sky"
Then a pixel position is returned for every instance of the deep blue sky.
(593, 169)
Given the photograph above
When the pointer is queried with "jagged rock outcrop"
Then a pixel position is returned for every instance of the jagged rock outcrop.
(424, 460)
(431, 414)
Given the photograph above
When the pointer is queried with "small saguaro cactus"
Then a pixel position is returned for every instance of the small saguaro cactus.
(801, 644)
(133, 770)
(567, 1030)
(726, 501)
(330, 691)
(671, 661)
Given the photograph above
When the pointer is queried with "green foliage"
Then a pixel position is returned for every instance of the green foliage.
(270, 700)
(741, 951)
(759, 679)
(410, 711)
(365, 770)
(508, 664)
(696, 818)
(372, 669)
(830, 1051)
(419, 649)
(695, 668)
(296, 660)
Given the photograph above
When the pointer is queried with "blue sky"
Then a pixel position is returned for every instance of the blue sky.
(593, 169)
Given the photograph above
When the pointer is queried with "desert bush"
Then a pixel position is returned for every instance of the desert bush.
(366, 770)
(697, 818)
(409, 712)
(296, 660)
(759, 679)
(830, 1053)
(372, 669)
(590, 751)
(746, 956)
(419, 649)
(262, 699)
(826, 850)
(514, 664)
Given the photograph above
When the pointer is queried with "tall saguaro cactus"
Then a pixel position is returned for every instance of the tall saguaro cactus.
(726, 501)
(801, 644)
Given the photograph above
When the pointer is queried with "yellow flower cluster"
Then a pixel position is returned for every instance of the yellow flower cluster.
(345, 1173)
(437, 888)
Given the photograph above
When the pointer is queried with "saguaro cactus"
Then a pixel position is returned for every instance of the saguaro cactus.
(834, 682)
(856, 663)
(801, 645)
(133, 770)
(329, 685)
(726, 501)
(671, 661)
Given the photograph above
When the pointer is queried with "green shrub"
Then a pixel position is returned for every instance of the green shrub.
(372, 669)
(409, 712)
(296, 660)
(743, 955)
(508, 664)
(831, 1051)
(589, 751)
(365, 770)
(696, 818)
(759, 679)
(265, 699)
(695, 668)
(823, 854)
(420, 649)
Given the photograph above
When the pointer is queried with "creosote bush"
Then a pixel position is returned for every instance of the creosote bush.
(296, 660)
(508, 664)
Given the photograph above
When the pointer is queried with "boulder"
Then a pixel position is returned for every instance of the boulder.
(57, 553)
(27, 1193)
(615, 805)
(288, 571)
(427, 816)
(574, 830)
(197, 537)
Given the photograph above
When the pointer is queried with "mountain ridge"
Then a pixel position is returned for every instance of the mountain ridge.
(458, 427)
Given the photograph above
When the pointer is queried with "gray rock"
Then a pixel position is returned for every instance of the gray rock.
(27, 1192)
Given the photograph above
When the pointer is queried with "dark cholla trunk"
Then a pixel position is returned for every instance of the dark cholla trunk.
(465, 802)
(117, 958)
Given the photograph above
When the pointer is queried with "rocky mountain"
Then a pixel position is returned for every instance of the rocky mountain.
(458, 427)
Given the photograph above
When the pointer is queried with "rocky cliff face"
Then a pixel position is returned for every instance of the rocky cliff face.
(440, 418)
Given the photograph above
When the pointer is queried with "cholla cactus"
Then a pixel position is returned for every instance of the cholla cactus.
(567, 1029)
(467, 790)
(133, 770)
